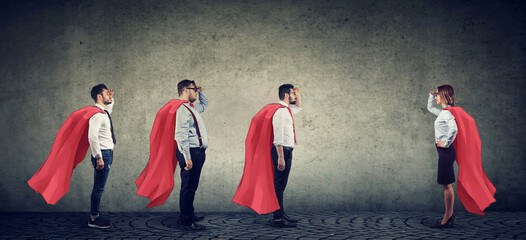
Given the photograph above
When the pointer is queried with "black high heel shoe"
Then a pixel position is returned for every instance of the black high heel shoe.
(449, 222)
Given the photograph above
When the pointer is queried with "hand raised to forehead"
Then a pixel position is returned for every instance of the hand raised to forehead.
(110, 93)
(297, 91)
(199, 88)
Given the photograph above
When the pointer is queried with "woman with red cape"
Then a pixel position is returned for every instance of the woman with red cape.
(457, 138)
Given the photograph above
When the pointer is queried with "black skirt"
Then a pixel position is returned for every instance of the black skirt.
(446, 158)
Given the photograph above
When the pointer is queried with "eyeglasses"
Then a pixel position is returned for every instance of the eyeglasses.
(195, 89)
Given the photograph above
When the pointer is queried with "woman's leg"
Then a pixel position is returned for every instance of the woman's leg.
(449, 200)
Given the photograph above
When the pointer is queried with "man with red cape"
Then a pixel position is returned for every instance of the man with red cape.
(178, 136)
(88, 127)
(268, 157)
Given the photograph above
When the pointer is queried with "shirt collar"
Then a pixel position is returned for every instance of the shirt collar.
(100, 106)
(283, 103)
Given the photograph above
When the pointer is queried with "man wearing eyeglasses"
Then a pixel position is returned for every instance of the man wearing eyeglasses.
(192, 141)
(179, 120)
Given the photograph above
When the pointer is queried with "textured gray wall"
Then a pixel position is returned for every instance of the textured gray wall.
(365, 69)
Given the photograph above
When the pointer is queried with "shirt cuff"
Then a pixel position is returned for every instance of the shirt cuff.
(186, 155)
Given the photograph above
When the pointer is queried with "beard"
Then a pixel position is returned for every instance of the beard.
(107, 102)
(292, 102)
(192, 99)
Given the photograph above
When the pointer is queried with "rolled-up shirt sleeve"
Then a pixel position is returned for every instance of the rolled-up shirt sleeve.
(452, 131)
(294, 109)
(95, 122)
(182, 129)
(278, 123)
(109, 107)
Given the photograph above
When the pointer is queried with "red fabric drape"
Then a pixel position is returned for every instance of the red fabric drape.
(256, 188)
(474, 188)
(69, 149)
(156, 181)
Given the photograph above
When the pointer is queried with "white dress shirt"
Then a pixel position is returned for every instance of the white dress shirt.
(445, 124)
(283, 125)
(99, 133)
(185, 131)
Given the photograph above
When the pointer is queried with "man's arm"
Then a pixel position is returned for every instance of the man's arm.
(279, 134)
(278, 124)
(182, 129)
(203, 101)
(281, 158)
(95, 122)
(294, 109)
(109, 107)
(298, 97)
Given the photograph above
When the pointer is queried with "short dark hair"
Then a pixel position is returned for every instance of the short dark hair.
(447, 93)
(97, 90)
(182, 84)
(285, 88)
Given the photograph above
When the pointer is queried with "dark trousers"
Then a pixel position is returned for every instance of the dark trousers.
(189, 183)
(281, 177)
(99, 180)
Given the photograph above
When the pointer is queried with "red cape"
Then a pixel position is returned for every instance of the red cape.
(69, 149)
(256, 188)
(156, 181)
(474, 189)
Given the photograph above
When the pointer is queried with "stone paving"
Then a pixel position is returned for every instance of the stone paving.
(244, 225)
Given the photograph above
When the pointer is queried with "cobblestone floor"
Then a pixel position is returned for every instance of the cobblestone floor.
(353, 225)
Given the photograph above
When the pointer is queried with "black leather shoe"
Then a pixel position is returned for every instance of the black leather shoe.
(194, 227)
(198, 218)
(283, 224)
(449, 222)
(289, 219)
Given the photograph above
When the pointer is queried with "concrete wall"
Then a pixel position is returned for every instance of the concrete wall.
(365, 69)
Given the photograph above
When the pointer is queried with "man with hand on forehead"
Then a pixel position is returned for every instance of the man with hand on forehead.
(178, 137)
(101, 138)
(281, 152)
(192, 141)
(87, 127)
(268, 157)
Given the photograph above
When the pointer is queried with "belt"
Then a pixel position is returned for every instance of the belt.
(284, 148)
(197, 148)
